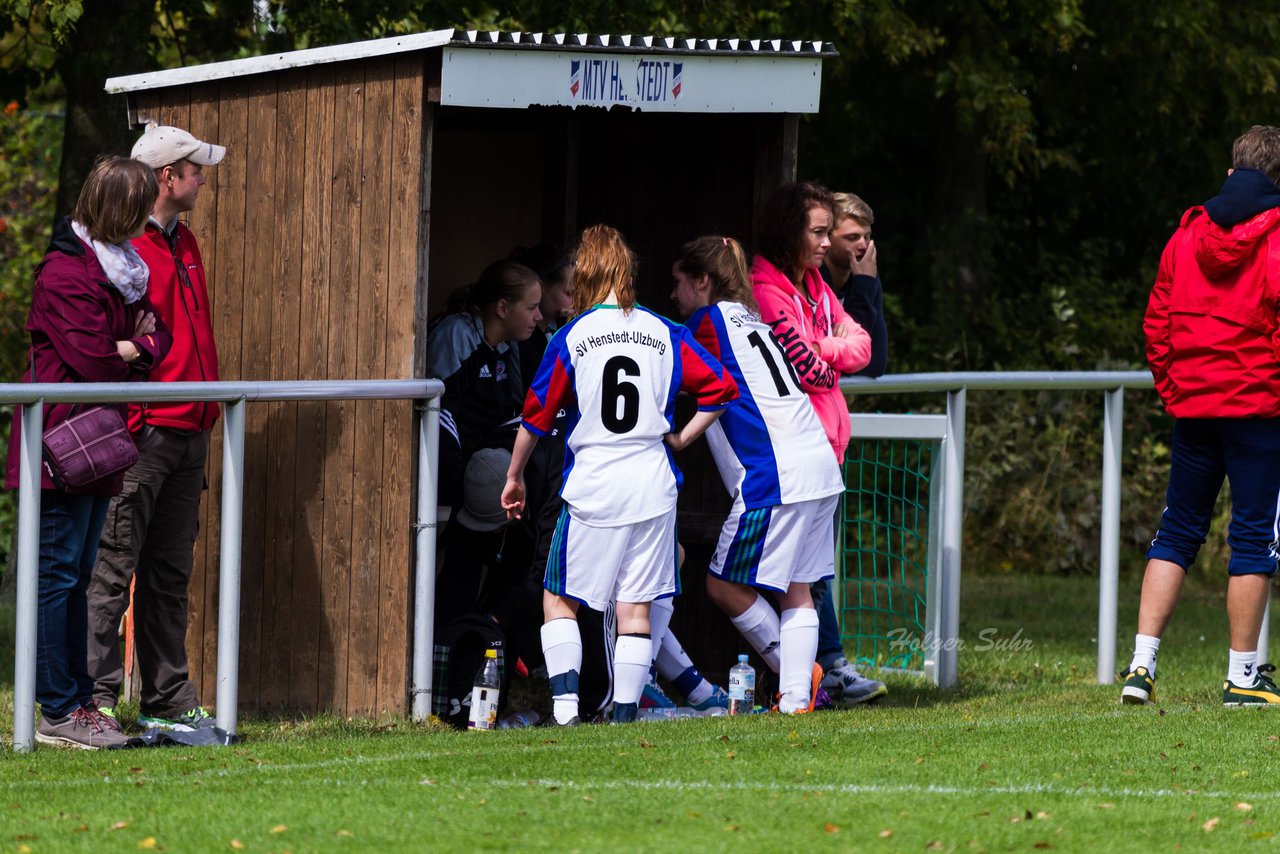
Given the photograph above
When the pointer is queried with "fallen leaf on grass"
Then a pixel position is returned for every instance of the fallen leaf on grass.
(1243, 807)
(82, 828)
(588, 799)
(982, 813)
(281, 828)
(733, 828)
(1042, 844)
(147, 844)
(935, 845)
(24, 849)
(886, 833)
(724, 738)
(119, 825)
(1106, 806)
(729, 754)
(237, 844)
(1210, 825)
(919, 760)
(1043, 815)
(345, 832)
(984, 766)
(830, 828)
(644, 742)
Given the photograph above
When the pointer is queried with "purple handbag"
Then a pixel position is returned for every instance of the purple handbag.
(87, 446)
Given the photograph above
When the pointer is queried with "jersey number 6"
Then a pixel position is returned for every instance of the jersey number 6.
(620, 407)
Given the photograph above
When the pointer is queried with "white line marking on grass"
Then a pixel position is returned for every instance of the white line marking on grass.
(875, 789)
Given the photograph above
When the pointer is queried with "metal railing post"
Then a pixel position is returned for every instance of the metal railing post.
(424, 600)
(1109, 566)
(24, 660)
(952, 538)
(229, 565)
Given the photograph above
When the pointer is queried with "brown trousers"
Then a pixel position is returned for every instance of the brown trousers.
(150, 533)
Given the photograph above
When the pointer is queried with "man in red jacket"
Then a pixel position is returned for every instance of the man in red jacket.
(152, 525)
(1213, 332)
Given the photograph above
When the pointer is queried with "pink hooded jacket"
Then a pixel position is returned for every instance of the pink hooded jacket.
(804, 331)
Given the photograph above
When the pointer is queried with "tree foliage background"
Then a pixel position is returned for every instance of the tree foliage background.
(1026, 160)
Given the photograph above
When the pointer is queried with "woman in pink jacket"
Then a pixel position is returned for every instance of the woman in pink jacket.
(820, 339)
(821, 342)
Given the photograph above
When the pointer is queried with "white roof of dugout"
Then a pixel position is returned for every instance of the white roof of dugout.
(514, 70)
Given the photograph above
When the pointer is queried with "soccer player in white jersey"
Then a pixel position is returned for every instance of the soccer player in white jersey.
(776, 463)
(615, 369)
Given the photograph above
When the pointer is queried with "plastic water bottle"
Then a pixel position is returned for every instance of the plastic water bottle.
(484, 694)
(520, 720)
(742, 687)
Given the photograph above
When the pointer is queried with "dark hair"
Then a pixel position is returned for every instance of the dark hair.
(550, 262)
(1258, 148)
(502, 280)
(723, 262)
(116, 198)
(602, 263)
(784, 220)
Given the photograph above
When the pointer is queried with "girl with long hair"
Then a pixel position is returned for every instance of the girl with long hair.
(777, 465)
(615, 369)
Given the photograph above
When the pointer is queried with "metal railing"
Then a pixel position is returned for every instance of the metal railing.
(234, 396)
(1113, 385)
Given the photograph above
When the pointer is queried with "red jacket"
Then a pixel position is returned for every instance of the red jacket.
(182, 302)
(1213, 320)
(76, 318)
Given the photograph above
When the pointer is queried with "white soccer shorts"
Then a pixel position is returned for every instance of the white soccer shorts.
(630, 563)
(771, 547)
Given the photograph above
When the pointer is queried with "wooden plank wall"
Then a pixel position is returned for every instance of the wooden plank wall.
(309, 230)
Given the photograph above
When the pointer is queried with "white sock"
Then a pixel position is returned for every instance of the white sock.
(1145, 648)
(660, 611)
(562, 646)
(759, 625)
(675, 666)
(1242, 668)
(799, 634)
(632, 657)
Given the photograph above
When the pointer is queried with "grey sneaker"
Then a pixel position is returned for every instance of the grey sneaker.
(848, 687)
(108, 716)
(85, 728)
(189, 721)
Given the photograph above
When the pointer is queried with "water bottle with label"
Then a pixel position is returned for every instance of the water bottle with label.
(742, 687)
(484, 694)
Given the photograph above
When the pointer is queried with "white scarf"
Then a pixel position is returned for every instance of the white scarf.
(125, 269)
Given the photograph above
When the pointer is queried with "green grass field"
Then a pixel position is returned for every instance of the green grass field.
(1027, 754)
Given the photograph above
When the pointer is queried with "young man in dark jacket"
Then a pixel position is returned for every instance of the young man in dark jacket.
(1212, 329)
(152, 526)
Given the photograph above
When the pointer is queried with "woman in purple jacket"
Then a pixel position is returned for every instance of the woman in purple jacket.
(90, 321)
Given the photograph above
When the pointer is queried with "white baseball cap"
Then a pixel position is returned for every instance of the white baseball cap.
(161, 145)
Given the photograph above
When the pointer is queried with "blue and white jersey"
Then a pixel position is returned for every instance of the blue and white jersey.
(770, 447)
(616, 374)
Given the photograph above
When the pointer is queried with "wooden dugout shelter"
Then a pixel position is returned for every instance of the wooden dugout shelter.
(365, 182)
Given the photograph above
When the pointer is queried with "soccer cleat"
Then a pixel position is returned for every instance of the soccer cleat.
(624, 713)
(84, 728)
(189, 721)
(719, 699)
(550, 721)
(1262, 692)
(653, 697)
(847, 687)
(1139, 687)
